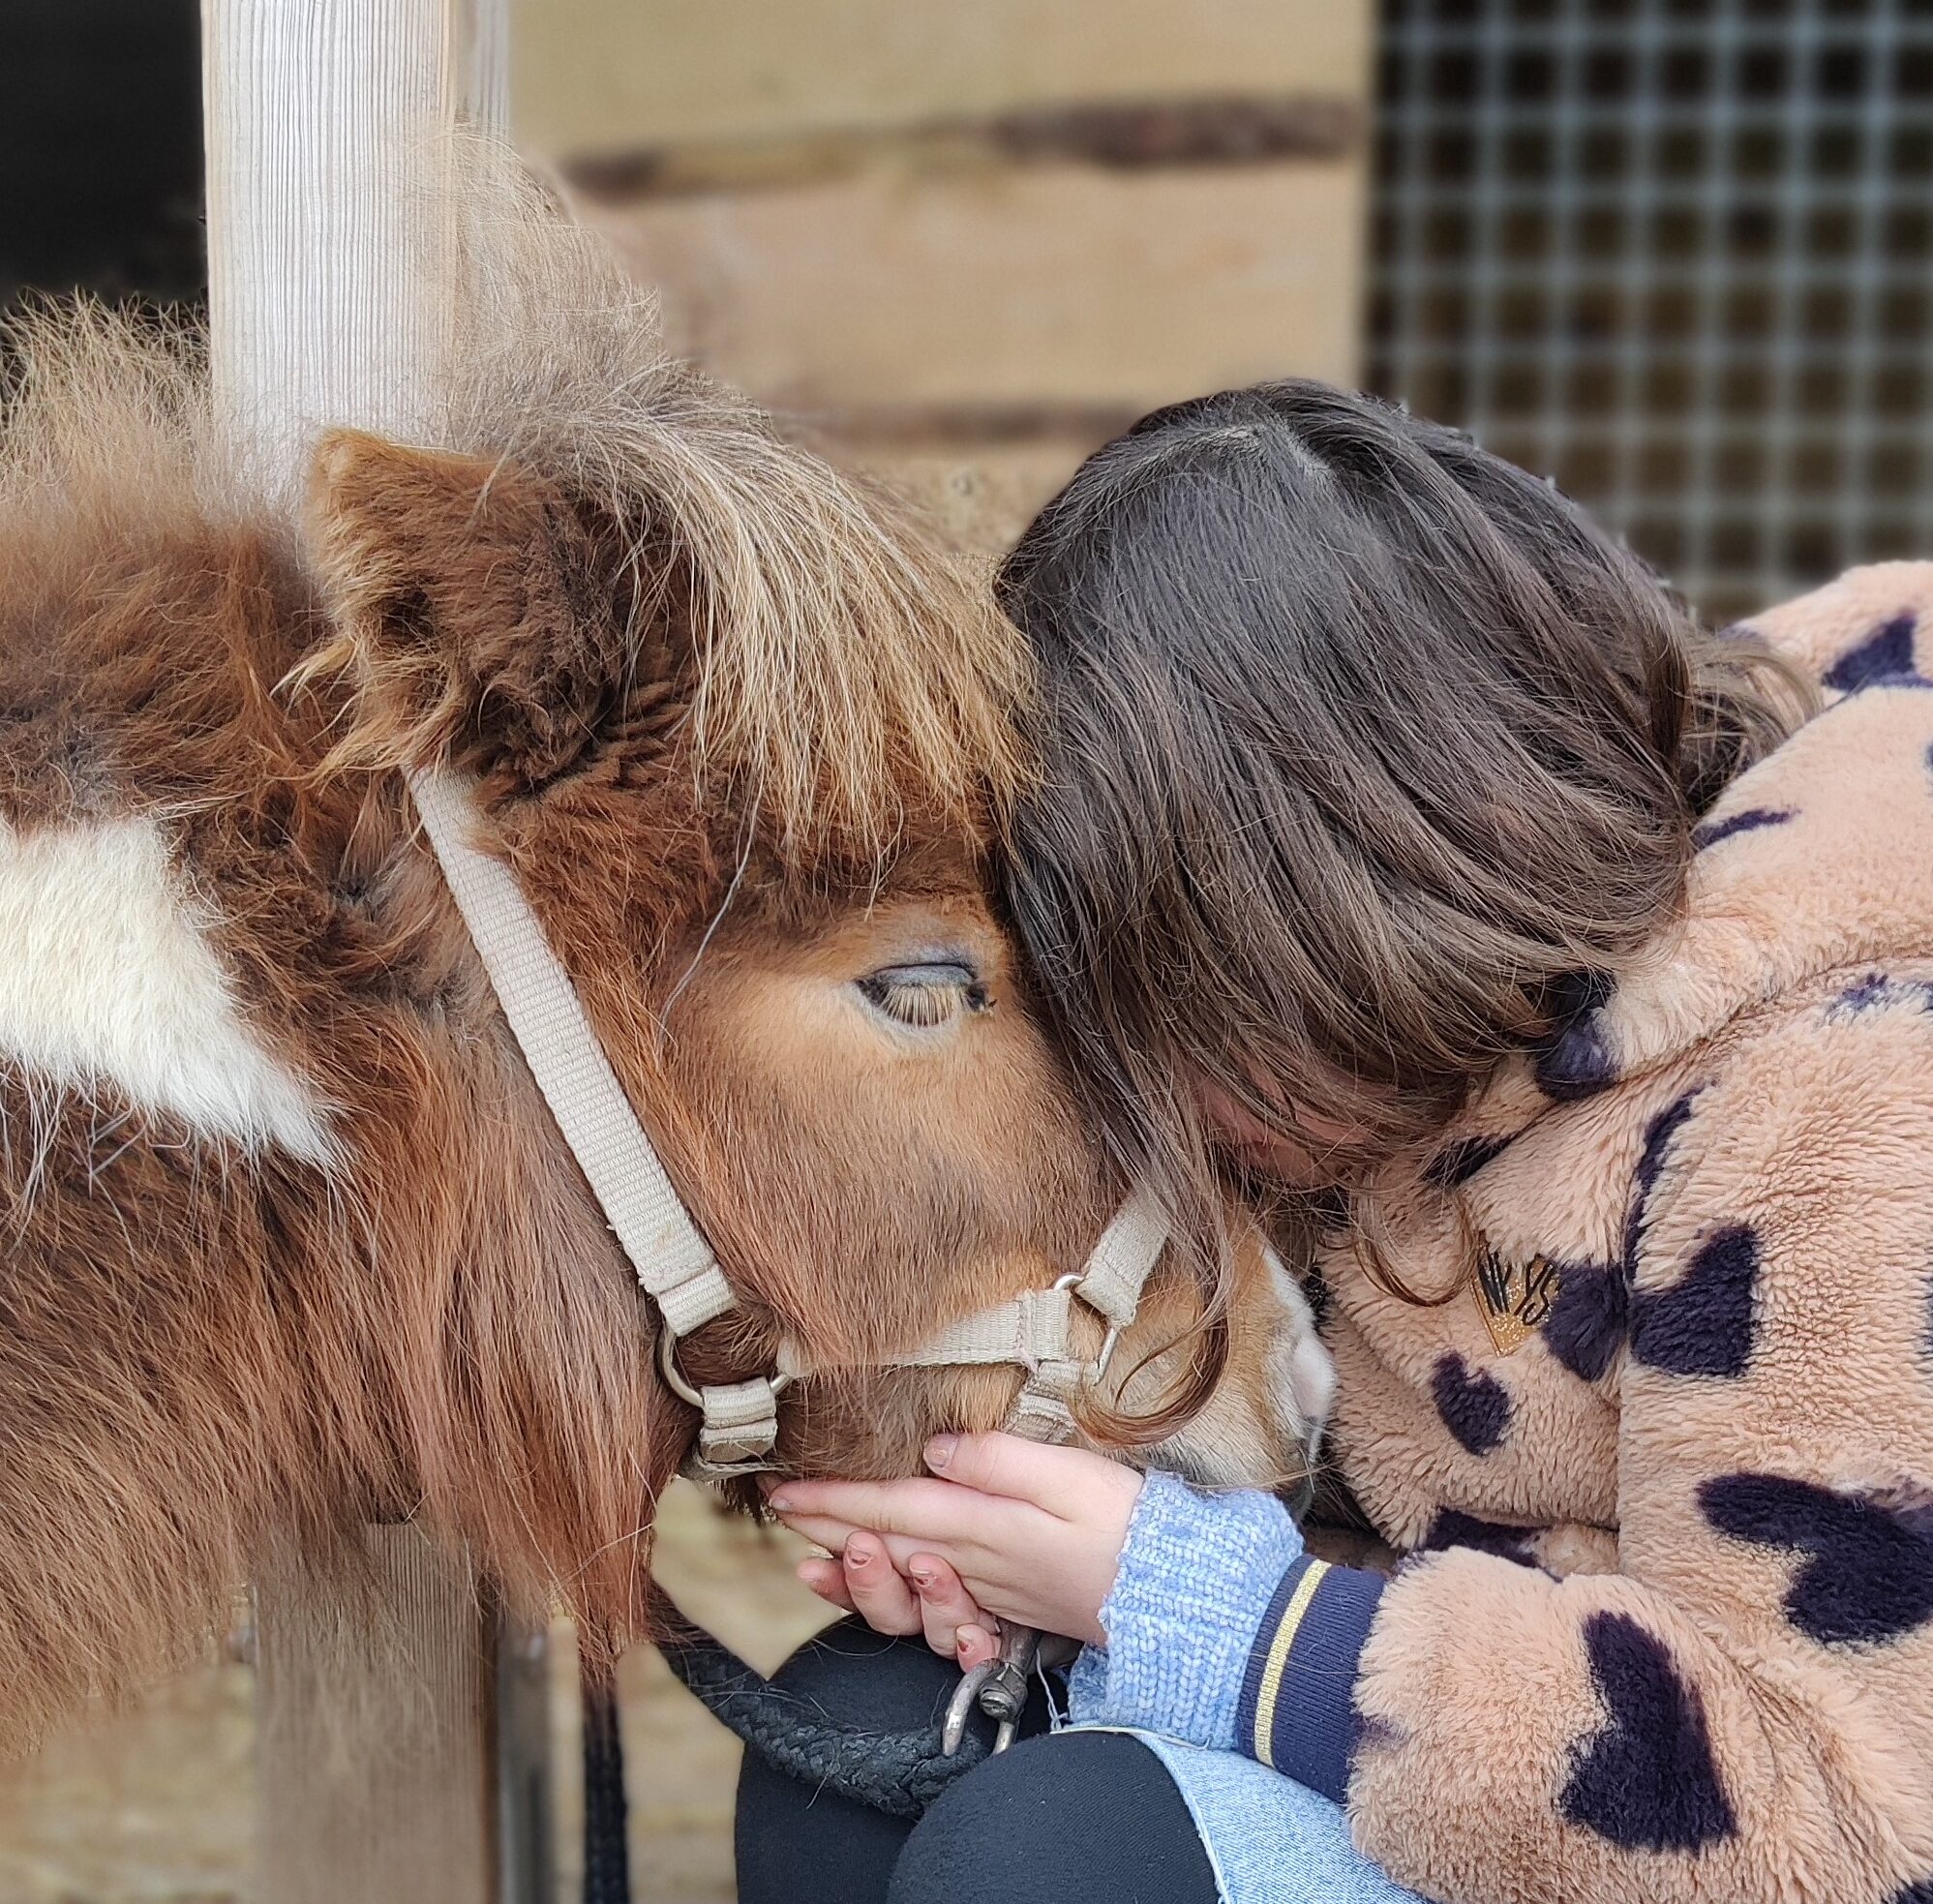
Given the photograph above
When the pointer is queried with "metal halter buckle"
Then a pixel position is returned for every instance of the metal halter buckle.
(998, 1687)
(719, 1457)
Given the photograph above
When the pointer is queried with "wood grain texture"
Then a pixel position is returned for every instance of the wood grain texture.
(376, 1758)
(327, 255)
(329, 279)
(596, 76)
(1038, 288)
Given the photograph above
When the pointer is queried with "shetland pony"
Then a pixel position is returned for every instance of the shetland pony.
(290, 1240)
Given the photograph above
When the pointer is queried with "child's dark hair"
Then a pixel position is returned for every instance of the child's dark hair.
(1360, 745)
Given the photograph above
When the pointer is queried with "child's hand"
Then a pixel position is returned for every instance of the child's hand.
(1016, 1531)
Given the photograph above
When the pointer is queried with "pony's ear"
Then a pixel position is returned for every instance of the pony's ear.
(475, 613)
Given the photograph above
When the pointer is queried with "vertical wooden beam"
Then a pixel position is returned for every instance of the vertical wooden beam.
(376, 1771)
(329, 291)
(330, 302)
(526, 1803)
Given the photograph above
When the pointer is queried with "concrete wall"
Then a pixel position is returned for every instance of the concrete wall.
(970, 242)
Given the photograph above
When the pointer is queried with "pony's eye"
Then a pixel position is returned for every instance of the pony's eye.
(924, 996)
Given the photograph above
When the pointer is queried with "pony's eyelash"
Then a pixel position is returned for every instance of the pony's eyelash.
(922, 1006)
(925, 997)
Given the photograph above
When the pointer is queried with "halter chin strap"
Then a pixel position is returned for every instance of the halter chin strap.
(673, 1264)
(1035, 1330)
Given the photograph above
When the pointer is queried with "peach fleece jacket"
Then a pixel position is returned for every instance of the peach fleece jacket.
(1663, 1462)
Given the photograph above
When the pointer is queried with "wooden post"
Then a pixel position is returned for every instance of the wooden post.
(382, 1779)
(327, 299)
(375, 1761)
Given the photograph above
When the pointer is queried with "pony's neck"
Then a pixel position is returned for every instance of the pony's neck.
(291, 1244)
(501, 1323)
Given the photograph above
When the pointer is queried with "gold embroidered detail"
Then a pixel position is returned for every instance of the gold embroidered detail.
(1512, 1298)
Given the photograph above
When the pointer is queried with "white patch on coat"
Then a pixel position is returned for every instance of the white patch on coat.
(107, 978)
(1225, 1445)
(1301, 1370)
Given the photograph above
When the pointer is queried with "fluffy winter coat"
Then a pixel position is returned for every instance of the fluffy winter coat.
(1664, 1459)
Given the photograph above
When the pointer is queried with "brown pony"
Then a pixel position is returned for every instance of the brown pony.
(291, 1242)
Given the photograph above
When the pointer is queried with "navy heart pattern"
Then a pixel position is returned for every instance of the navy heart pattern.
(1701, 1325)
(1647, 1782)
(1577, 1063)
(1458, 1163)
(1659, 1137)
(1712, 831)
(1454, 1528)
(1875, 992)
(1587, 1320)
(1475, 1407)
(1868, 1572)
(1885, 654)
(1575, 1059)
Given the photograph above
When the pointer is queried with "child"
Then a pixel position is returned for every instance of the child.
(1402, 839)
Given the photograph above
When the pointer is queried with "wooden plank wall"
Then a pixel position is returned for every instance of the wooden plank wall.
(972, 242)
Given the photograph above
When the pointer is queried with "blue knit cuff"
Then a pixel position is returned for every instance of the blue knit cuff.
(1195, 1580)
(1297, 1708)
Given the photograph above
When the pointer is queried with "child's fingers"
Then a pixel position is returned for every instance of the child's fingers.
(920, 1509)
(821, 1530)
(828, 1580)
(835, 1536)
(879, 1595)
(974, 1645)
(945, 1605)
(1059, 1480)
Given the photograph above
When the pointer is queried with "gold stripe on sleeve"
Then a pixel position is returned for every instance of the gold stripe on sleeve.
(1277, 1659)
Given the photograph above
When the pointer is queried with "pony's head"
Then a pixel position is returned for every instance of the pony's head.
(749, 772)
(748, 737)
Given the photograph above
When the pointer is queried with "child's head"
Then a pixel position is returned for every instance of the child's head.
(1361, 746)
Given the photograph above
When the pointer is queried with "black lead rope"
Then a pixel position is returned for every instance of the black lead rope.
(607, 1853)
(898, 1772)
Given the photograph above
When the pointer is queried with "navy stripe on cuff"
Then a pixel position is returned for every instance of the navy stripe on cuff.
(1297, 1710)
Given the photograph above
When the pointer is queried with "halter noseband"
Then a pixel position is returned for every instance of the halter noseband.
(673, 1264)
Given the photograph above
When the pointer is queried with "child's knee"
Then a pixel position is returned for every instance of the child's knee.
(1082, 1817)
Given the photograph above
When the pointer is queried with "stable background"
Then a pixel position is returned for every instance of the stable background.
(1678, 254)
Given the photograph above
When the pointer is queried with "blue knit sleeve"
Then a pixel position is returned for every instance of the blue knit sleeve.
(1222, 1632)
(1197, 1575)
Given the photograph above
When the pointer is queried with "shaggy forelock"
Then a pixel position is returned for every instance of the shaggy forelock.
(850, 673)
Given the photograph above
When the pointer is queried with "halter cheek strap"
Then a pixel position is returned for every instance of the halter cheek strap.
(673, 1264)
(672, 1261)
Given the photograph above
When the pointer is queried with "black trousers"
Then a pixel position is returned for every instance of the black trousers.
(1077, 1818)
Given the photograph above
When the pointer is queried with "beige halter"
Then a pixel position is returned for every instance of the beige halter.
(673, 1264)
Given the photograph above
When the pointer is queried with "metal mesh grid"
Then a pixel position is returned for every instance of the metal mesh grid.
(1678, 254)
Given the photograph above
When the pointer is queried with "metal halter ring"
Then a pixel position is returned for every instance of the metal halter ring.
(1111, 1341)
(675, 1376)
